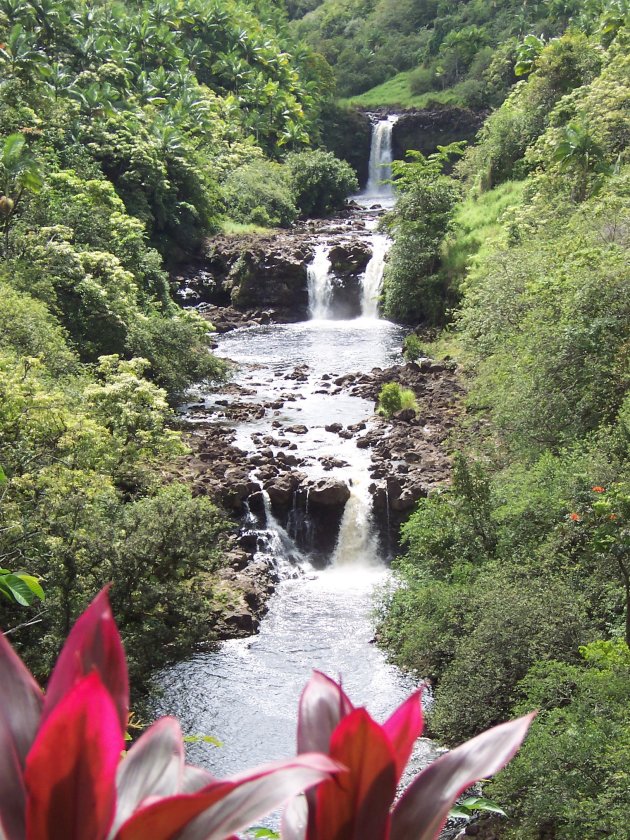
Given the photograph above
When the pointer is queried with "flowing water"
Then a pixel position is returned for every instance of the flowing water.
(379, 185)
(246, 693)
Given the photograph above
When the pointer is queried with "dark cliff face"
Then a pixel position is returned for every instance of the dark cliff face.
(424, 130)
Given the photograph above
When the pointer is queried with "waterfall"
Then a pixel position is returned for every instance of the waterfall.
(320, 287)
(372, 280)
(380, 167)
(357, 544)
(278, 544)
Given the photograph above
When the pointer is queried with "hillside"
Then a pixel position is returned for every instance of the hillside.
(412, 52)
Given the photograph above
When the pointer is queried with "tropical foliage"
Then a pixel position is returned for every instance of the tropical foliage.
(514, 583)
(422, 52)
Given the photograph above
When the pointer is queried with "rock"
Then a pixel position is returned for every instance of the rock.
(281, 489)
(405, 415)
(329, 492)
(425, 129)
(350, 257)
(334, 427)
(297, 430)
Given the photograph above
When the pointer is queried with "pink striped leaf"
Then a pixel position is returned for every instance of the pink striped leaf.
(228, 806)
(153, 767)
(423, 808)
(323, 704)
(71, 768)
(355, 805)
(20, 700)
(93, 642)
(403, 729)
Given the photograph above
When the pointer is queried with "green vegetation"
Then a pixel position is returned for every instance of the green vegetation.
(515, 581)
(412, 348)
(399, 92)
(416, 52)
(128, 132)
(393, 398)
(320, 182)
(413, 289)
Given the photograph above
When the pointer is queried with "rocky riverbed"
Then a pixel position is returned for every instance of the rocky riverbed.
(407, 459)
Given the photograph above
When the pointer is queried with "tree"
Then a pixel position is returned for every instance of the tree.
(413, 290)
(20, 173)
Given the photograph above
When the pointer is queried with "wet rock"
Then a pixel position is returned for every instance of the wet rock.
(329, 492)
(333, 427)
(349, 257)
(297, 430)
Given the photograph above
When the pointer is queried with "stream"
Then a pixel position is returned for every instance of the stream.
(245, 694)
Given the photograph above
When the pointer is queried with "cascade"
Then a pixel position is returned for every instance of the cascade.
(279, 543)
(372, 280)
(381, 156)
(320, 289)
(357, 544)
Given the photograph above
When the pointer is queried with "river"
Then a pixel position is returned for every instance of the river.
(245, 694)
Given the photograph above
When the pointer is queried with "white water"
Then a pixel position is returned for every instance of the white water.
(357, 545)
(320, 289)
(372, 281)
(381, 157)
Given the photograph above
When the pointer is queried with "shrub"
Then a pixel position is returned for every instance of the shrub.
(320, 182)
(260, 193)
(393, 398)
(572, 775)
(412, 348)
(421, 80)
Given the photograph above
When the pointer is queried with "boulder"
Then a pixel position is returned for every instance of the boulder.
(329, 492)
(350, 257)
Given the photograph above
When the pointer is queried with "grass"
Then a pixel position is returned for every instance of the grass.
(231, 227)
(395, 92)
(477, 223)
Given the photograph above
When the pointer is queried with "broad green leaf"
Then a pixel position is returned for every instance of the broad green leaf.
(34, 585)
(480, 803)
(459, 813)
(20, 591)
(12, 148)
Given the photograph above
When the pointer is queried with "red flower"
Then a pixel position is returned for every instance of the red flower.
(359, 803)
(598, 489)
(575, 517)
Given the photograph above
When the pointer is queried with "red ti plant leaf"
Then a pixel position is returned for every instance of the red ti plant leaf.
(355, 805)
(423, 808)
(93, 643)
(403, 728)
(323, 705)
(71, 768)
(154, 767)
(20, 700)
(12, 793)
(227, 806)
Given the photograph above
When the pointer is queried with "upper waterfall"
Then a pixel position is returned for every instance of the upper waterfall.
(381, 157)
